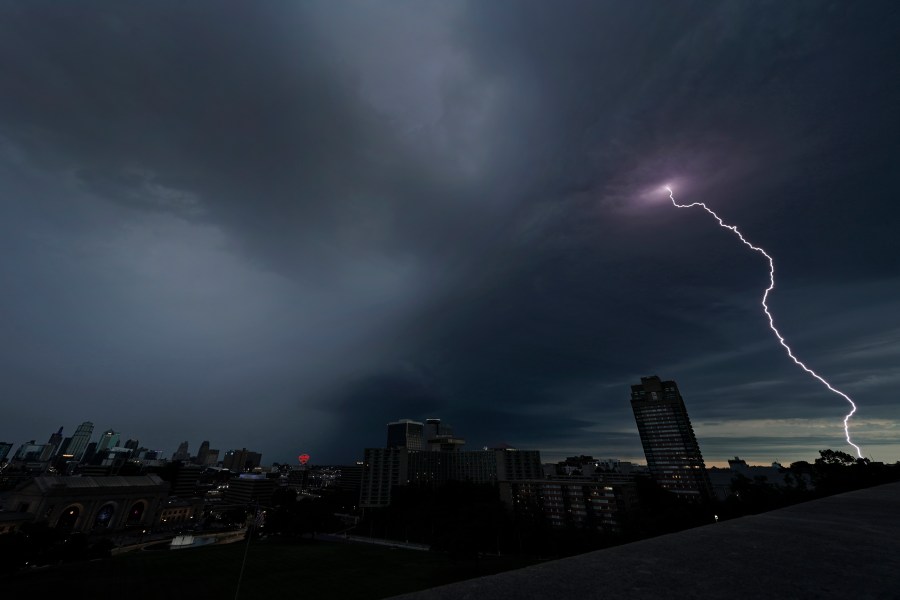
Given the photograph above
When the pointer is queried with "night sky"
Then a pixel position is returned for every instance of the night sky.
(282, 225)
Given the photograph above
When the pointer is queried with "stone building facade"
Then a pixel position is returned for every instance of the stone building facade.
(90, 504)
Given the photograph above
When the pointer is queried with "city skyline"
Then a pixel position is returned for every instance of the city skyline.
(274, 227)
(83, 440)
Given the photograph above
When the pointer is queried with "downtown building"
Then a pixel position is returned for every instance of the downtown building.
(386, 468)
(77, 446)
(248, 488)
(410, 459)
(406, 433)
(89, 504)
(670, 446)
(239, 461)
(571, 502)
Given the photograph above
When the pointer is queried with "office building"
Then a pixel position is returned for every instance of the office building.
(202, 453)
(5, 448)
(89, 453)
(56, 440)
(63, 449)
(670, 446)
(182, 453)
(249, 489)
(572, 502)
(90, 504)
(186, 480)
(80, 440)
(435, 428)
(109, 439)
(212, 457)
(406, 433)
(439, 437)
(241, 460)
(385, 468)
(34, 452)
(351, 477)
(446, 443)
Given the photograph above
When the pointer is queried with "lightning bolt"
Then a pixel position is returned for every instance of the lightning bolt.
(765, 306)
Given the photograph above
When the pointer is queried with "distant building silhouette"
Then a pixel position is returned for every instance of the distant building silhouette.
(247, 488)
(109, 439)
(241, 460)
(434, 428)
(351, 477)
(428, 454)
(34, 452)
(406, 433)
(202, 453)
(673, 455)
(439, 437)
(80, 440)
(185, 480)
(89, 453)
(385, 468)
(775, 475)
(56, 440)
(5, 448)
(182, 453)
(212, 457)
(133, 446)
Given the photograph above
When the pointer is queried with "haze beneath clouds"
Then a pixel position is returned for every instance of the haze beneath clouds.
(282, 225)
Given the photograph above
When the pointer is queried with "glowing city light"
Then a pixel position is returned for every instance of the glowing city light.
(765, 306)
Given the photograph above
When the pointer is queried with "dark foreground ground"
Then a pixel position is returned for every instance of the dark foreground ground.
(282, 570)
(844, 547)
(841, 547)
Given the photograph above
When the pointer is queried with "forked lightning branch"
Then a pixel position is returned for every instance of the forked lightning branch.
(765, 306)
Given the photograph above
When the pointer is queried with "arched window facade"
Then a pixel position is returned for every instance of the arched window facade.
(104, 516)
(136, 512)
(69, 518)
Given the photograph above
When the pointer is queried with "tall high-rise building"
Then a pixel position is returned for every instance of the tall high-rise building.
(64, 446)
(80, 440)
(406, 433)
(89, 453)
(673, 455)
(202, 453)
(383, 469)
(109, 439)
(56, 440)
(182, 453)
(5, 448)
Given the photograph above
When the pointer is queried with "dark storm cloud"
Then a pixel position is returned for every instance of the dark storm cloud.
(294, 223)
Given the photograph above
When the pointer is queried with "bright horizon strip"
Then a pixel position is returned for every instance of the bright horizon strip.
(765, 306)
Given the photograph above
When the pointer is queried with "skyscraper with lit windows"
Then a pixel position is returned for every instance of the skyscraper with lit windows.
(673, 454)
(109, 439)
(80, 440)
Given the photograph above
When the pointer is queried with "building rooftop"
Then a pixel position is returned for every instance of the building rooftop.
(839, 547)
(49, 482)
